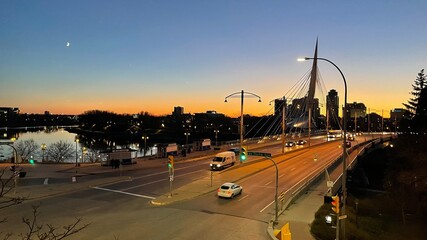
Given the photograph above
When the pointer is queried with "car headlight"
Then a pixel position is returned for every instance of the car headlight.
(218, 165)
(211, 164)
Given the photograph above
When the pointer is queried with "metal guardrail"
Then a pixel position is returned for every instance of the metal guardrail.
(292, 197)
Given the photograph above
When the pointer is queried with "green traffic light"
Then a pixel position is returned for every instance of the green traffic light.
(31, 161)
(242, 157)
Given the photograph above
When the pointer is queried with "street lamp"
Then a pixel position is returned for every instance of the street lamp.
(186, 138)
(283, 121)
(242, 96)
(344, 157)
(145, 143)
(216, 136)
(43, 149)
(77, 142)
(83, 154)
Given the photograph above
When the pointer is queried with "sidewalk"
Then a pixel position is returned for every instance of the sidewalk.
(300, 214)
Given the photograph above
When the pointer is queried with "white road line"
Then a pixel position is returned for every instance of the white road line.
(268, 183)
(293, 169)
(267, 206)
(164, 179)
(242, 198)
(281, 175)
(117, 191)
(176, 169)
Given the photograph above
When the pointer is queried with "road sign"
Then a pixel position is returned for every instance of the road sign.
(259, 154)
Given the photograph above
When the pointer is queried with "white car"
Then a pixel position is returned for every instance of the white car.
(229, 190)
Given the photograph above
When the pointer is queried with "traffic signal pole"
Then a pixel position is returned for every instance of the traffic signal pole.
(336, 208)
(171, 173)
(276, 208)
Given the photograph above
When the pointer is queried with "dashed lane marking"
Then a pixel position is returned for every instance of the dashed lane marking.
(243, 198)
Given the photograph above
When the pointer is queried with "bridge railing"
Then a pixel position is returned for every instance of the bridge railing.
(304, 184)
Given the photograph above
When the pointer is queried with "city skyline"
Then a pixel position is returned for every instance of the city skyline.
(71, 57)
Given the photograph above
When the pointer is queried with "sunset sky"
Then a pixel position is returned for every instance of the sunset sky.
(133, 56)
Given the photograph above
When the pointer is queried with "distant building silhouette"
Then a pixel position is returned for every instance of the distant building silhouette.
(397, 114)
(278, 106)
(8, 116)
(178, 110)
(332, 106)
(356, 109)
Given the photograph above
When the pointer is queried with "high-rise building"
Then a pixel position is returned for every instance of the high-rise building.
(278, 106)
(178, 111)
(8, 116)
(397, 114)
(332, 103)
(356, 110)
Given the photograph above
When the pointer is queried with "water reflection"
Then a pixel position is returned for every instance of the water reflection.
(88, 148)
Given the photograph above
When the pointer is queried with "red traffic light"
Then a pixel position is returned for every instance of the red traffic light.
(336, 203)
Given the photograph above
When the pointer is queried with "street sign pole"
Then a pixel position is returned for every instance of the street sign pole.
(171, 173)
(276, 210)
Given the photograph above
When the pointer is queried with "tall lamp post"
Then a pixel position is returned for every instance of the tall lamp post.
(216, 136)
(344, 154)
(283, 121)
(77, 142)
(145, 143)
(186, 138)
(241, 95)
(43, 149)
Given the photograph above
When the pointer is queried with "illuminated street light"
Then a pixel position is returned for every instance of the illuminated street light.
(84, 151)
(216, 136)
(145, 143)
(77, 142)
(43, 150)
(186, 137)
(344, 157)
(241, 95)
(283, 120)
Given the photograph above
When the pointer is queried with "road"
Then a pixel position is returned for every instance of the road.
(123, 210)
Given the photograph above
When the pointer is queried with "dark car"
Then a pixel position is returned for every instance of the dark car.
(301, 142)
(347, 144)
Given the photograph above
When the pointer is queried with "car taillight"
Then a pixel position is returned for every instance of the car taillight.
(219, 190)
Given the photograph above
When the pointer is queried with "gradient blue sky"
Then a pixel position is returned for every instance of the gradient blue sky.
(133, 56)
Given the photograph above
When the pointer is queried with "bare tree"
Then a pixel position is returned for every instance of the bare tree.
(26, 148)
(92, 155)
(35, 230)
(59, 151)
(7, 185)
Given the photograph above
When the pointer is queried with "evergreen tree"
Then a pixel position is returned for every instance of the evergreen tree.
(420, 119)
(417, 105)
(419, 84)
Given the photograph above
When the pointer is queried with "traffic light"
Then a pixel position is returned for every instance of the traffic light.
(31, 160)
(170, 161)
(336, 203)
(243, 154)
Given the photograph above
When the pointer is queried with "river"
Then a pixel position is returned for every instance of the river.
(51, 135)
